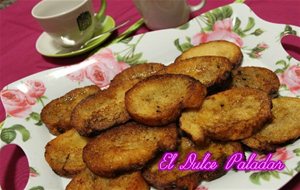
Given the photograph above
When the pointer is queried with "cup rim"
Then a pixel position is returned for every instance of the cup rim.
(54, 15)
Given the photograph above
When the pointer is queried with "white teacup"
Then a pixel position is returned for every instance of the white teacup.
(68, 22)
(161, 14)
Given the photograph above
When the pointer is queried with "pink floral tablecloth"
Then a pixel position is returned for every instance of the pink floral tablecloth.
(18, 58)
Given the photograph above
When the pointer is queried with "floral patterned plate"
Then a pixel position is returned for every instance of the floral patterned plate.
(260, 43)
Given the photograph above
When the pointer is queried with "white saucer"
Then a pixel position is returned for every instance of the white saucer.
(46, 46)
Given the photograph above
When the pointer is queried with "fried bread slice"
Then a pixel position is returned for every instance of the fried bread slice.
(100, 111)
(190, 179)
(64, 153)
(86, 180)
(256, 77)
(211, 71)
(127, 148)
(136, 73)
(159, 99)
(258, 144)
(215, 48)
(229, 115)
(57, 114)
(107, 108)
(285, 126)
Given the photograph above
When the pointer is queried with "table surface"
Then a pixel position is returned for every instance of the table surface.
(19, 58)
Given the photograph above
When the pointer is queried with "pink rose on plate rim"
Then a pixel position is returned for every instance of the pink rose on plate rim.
(36, 89)
(291, 78)
(77, 76)
(97, 73)
(103, 68)
(15, 102)
(222, 30)
(106, 57)
(281, 154)
(18, 103)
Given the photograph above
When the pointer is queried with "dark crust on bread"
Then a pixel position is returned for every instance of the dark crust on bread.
(209, 70)
(284, 128)
(230, 115)
(100, 111)
(258, 144)
(86, 180)
(64, 153)
(215, 48)
(56, 114)
(127, 148)
(256, 77)
(159, 99)
(107, 108)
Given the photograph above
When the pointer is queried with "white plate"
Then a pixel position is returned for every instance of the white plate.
(260, 42)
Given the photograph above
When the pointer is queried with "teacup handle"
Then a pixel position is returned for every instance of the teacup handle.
(198, 6)
(101, 13)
